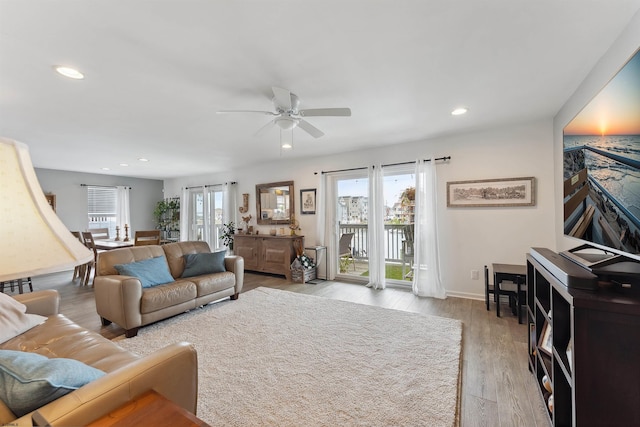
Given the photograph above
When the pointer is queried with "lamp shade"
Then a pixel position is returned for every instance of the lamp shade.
(33, 240)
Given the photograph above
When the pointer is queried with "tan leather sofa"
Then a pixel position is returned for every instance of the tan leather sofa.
(171, 371)
(123, 300)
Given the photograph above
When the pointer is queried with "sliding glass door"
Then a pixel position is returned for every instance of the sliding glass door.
(399, 210)
(353, 216)
(206, 214)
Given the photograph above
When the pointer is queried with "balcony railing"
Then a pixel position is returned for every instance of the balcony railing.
(393, 236)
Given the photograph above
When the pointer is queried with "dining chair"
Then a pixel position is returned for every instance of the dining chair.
(17, 282)
(344, 248)
(89, 242)
(79, 270)
(99, 233)
(147, 237)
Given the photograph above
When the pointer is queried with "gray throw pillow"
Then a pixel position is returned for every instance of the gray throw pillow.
(204, 263)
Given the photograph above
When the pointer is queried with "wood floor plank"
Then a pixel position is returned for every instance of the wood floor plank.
(497, 387)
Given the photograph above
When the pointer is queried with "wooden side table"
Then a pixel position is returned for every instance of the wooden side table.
(150, 409)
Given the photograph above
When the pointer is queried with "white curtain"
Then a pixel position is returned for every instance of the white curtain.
(207, 220)
(426, 278)
(229, 190)
(321, 226)
(375, 229)
(185, 215)
(123, 214)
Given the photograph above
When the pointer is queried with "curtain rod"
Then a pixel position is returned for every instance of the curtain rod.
(103, 186)
(210, 185)
(445, 158)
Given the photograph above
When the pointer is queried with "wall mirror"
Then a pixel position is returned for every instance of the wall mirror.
(274, 202)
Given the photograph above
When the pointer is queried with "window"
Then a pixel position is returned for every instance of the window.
(102, 208)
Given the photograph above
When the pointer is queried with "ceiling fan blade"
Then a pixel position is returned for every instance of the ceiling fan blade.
(268, 113)
(264, 128)
(310, 129)
(283, 97)
(340, 112)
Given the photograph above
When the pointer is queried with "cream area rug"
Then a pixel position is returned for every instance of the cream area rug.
(277, 358)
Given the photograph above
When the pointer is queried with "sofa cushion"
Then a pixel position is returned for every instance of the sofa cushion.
(204, 263)
(14, 319)
(61, 337)
(159, 297)
(30, 380)
(151, 272)
(211, 283)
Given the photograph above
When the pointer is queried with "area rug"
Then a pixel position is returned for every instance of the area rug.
(277, 358)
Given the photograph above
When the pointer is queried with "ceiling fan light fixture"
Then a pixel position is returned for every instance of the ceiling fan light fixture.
(286, 123)
(286, 139)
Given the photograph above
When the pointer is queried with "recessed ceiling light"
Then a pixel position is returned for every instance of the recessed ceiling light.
(286, 145)
(459, 111)
(72, 73)
(124, 164)
(143, 160)
(106, 169)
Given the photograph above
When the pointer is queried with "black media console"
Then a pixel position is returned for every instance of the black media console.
(591, 354)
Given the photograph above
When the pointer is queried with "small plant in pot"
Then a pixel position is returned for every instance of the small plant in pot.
(228, 230)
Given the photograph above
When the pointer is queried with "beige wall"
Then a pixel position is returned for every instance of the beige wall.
(469, 237)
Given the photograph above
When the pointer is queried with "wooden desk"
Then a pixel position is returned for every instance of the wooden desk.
(517, 274)
(107, 245)
(150, 409)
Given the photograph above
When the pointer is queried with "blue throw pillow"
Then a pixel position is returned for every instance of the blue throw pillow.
(204, 263)
(29, 380)
(151, 272)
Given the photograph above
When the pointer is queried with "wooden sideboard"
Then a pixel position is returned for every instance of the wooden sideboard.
(267, 254)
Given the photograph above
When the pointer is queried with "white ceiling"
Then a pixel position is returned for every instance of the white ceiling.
(158, 70)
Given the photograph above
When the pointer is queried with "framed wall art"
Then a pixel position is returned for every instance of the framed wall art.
(492, 192)
(308, 201)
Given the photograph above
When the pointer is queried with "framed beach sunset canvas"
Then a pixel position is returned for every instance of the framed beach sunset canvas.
(601, 165)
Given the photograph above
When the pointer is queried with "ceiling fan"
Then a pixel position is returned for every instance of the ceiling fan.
(287, 115)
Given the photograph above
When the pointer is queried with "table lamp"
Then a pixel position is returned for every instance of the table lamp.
(33, 240)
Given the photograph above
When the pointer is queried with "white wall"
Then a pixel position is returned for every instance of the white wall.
(610, 63)
(469, 237)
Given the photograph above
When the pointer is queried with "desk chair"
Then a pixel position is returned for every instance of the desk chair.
(344, 248)
(504, 285)
(149, 237)
(488, 287)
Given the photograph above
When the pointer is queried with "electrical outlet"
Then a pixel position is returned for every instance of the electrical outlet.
(475, 275)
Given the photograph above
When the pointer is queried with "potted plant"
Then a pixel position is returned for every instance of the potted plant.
(228, 230)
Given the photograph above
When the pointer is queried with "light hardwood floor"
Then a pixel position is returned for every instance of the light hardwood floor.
(497, 387)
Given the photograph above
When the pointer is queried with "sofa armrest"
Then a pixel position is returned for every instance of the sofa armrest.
(44, 303)
(235, 264)
(171, 371)
(118, 299)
